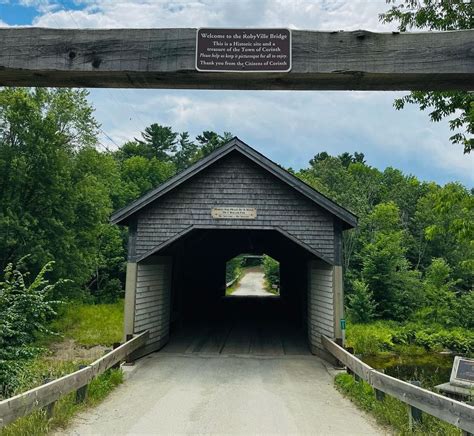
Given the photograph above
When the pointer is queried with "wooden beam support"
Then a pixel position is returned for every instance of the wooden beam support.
(165, 58)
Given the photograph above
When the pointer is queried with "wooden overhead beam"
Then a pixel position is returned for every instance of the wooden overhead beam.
(165, 58)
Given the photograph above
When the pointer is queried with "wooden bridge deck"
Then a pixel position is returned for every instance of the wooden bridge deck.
(264, 338)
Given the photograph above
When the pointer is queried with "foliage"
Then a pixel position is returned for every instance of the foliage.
(371, 338)
(54, 189)
(271, 269)
(25, 310)
(439, 291)
(385, 269)
(361, 304)
(390, 411)
(403, 225)
(233, 268)
(91, 324)
(438, 15)
(383, 336)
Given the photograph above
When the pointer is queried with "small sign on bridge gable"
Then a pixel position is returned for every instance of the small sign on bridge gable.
(243, 50)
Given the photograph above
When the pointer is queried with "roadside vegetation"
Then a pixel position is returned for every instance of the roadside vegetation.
(80, 334)
(390, 412)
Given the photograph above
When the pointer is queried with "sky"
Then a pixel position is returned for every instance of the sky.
(288, 127)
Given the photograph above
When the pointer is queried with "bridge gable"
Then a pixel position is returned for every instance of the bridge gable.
(234, 181)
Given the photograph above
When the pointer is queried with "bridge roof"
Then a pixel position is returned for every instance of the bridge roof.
(123, 215)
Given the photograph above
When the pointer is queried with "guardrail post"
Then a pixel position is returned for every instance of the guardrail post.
(114, 346)
(49, 409)
(81, 393)
(128, 338)
(351, 351)
(379, 395)
(414, 414)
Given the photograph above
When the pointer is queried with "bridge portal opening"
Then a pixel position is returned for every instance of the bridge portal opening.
(252, 276)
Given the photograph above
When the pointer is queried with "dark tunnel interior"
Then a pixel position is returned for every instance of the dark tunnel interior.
(198, 280)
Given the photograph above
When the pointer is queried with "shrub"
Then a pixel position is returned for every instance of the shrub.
(25, 311)
(370, 338)
(361, 303)
(271, 268)
(465, 310)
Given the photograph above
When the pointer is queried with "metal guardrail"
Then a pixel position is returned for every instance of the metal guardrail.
(454, 412)
(45, 395)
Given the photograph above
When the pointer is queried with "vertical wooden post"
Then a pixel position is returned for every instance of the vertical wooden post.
(349, 350)
(414, 414)
(379, 395)
(49, 409)
(81, 393)
(115, 345)
(128, 359)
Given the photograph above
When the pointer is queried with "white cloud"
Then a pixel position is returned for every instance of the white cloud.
(290, 127)
(300, 14)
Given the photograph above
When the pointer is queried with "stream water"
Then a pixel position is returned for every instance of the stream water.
(430, 369)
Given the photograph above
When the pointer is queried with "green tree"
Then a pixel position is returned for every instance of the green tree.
(361, 304)
(209, 141)
(445, 217)
(188, 152)
(159, 141)
(385, 269)
(49, 206)
(438, 15)
(440, 293)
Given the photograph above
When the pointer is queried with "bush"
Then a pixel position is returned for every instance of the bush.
(370, 338)
(25, 311)
(233, 268)
(361, 303)
(465, 310)
(383, 336)
(271, 268)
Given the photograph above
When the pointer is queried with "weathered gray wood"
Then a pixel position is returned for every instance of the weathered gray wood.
(22, 404)
(236, 180)
(459, 414)
(152, 301)
(165, 58)
(356, 365)
(320, 304)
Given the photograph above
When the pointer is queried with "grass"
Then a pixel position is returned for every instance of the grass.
(89, 325)
(407, 338)
(390, 412)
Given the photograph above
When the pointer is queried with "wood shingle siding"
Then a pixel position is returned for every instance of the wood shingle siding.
(152, 300)
(235, 181)
(320, 304)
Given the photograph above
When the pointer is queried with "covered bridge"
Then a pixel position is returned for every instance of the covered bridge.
(233, 201)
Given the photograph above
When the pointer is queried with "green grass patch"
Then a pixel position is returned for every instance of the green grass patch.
(390, 412)
(407, 338)
(371, 338)
(37, 424)
(89, 325)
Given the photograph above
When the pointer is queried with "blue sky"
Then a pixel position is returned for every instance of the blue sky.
(289, 127)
